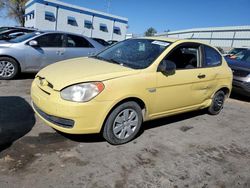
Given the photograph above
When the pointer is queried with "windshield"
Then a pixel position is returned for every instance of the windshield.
(243, 56)
(236, 50)
(24, 37)
(134, 53)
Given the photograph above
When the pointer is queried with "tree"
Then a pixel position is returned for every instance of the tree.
(15, 9)
(150, 32)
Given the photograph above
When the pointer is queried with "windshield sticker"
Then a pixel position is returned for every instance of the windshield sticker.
(160, 43)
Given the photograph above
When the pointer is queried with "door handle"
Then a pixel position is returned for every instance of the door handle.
(201, 76)
(59, 52)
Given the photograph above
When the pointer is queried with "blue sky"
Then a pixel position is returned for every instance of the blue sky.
(171, 14)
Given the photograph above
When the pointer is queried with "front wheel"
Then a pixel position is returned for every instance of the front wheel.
(123, 123)
(217, 103)
(8, 68)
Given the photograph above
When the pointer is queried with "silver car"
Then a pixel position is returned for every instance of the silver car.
(33, 51)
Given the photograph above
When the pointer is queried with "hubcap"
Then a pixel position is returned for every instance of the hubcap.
(7, 69)
(125, 123)
(218, 102)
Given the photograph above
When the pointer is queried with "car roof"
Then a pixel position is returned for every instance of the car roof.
(28, 28)
(61, 32)
(172, 40)
(162, 39)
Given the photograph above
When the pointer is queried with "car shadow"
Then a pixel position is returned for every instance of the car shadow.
(83, 138)
(93, 138)
(170, 119)
(16, 120)
(239, 97)
(26, 76)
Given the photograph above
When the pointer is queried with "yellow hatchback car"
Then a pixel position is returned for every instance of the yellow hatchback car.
(133, 81)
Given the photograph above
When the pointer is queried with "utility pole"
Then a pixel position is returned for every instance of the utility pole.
(56, 18)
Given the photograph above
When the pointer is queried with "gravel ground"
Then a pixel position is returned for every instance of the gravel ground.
(188, 150)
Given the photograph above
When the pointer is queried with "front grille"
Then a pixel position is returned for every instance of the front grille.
(50, 85)
(44, 85)
(44, 82)
(240, 73)
(62, 122)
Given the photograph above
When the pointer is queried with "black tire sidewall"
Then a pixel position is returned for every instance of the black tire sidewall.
(108, 126)
(211, 108)
(14, 63)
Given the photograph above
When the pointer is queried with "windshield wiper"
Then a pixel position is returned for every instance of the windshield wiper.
(108, 60)
(98, 57)
(115, 61)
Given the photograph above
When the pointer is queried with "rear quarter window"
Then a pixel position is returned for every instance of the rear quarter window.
(74, 41)
(212, 57)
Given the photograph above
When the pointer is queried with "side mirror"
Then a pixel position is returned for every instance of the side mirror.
(33, 43)
(167, 67)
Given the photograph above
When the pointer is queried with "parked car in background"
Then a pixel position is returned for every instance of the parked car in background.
(7, 33)
(4, 28)
(101, 41)
(240, 66)
(111, 42)
(33, 51)
(130, 82)
(234, 51)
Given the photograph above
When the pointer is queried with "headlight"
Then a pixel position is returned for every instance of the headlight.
(82, 92)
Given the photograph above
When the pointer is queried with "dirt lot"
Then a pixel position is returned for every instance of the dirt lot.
(190, 150)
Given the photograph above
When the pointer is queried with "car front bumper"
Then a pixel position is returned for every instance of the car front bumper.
(65, 116)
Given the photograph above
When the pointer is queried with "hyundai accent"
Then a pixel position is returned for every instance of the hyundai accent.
(131, 82)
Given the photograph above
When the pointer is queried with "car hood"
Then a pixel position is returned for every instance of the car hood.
(5, 44)
(78, 70)
(237, 63)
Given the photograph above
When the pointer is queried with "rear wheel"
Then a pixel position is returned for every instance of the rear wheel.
(8, 68)
(123, 123)
(217, 103)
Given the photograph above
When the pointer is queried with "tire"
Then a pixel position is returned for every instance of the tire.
(123, 123)
(217, 103)
(8, 68)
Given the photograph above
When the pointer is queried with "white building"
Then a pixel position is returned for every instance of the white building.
(228, 37)
(56, 15)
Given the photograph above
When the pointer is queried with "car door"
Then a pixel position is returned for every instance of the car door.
(189, 86)
(212, 69)
(50, 49)
(77, 46)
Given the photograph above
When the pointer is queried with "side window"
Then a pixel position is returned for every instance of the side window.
(72, 21)
(50, 16)
(74, 41)
(50, 40)
(117, 30)
(185, 56)
(212, 57)
(246, 56)
(103, 27)
(16, 34)
(88, 24)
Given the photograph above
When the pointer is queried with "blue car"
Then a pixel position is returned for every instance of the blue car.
(240, 66)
